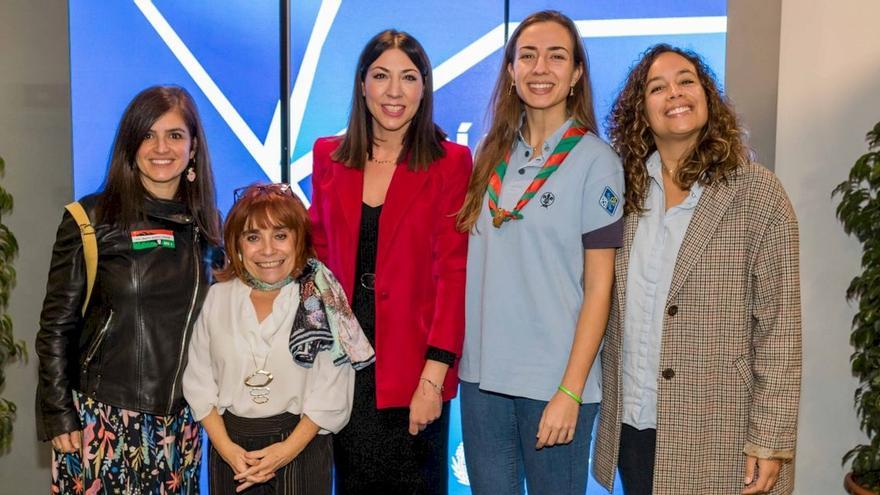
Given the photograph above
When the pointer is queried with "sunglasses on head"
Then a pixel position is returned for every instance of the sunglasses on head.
(280, 188)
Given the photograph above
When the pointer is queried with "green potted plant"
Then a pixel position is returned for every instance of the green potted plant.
(859, 211)
(10, 349)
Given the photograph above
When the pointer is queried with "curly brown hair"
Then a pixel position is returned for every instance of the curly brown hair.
(719, 149)
(506, 107)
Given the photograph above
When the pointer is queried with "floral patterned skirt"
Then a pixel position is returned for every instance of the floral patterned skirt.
(130, 452)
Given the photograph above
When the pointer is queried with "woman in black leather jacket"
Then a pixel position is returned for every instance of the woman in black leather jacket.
(109, 394)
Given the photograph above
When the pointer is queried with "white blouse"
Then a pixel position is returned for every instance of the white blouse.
(228, 340)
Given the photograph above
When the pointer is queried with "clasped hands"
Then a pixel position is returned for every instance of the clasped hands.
(258, 466)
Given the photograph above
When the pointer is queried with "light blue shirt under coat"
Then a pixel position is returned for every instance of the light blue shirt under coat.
(652, 261)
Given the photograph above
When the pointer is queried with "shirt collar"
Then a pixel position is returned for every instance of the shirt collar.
(654, 166)
(521, 145)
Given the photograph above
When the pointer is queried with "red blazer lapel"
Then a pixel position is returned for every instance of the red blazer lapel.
(405, 187)
(349, 191)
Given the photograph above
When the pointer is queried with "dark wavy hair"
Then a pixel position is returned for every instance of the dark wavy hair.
(719, 149)
(423, 142)
(506, 107)
(121, 201)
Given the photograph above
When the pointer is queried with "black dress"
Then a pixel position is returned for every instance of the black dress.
(375, 454)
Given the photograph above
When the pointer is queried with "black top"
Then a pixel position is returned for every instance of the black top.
(363, 303)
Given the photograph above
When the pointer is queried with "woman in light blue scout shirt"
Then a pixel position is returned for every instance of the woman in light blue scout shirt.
(544, 211)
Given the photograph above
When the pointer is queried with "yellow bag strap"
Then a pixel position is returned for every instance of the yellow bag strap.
(90, 247)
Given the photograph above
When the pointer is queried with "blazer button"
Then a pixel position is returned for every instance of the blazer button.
(672, 310)
(668, 374)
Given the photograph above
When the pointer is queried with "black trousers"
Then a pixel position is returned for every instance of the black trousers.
(308, 474)
(380, 457)
(636, 460)
(376, 455)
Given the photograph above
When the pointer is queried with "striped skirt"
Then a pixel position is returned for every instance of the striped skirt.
(308, 474)
(130, 452)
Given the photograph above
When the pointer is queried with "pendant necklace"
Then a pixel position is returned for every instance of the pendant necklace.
(258, 381)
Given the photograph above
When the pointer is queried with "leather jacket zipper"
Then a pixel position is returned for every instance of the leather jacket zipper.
(192, 304)
(93, 349)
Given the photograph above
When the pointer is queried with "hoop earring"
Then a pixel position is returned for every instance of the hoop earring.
(510, 89)
(191, 174)
(571, 90)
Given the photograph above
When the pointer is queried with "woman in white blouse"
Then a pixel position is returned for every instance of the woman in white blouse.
(267, 373)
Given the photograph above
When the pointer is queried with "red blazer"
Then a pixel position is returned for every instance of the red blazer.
(420, 265)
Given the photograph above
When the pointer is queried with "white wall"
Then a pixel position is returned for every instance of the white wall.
(35, 142)
(829, 96)
(752, 62)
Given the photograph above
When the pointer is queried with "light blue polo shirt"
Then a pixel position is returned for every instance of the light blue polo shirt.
(525, 280)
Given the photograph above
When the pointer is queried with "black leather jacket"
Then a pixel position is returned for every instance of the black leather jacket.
(129, 349)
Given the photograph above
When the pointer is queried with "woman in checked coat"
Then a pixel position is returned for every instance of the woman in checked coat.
(702, 355)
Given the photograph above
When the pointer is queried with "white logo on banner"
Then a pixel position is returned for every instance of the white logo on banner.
(459, 468)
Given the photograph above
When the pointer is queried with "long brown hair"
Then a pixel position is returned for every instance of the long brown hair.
(423, 142)
(506, 109)
(265, 207)
(121, 201)
(719, 149)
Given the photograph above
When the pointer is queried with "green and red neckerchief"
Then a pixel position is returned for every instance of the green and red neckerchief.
(499, 215)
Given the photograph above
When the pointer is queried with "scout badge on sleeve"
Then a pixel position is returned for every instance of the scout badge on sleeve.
(152, 238)
(609, 200)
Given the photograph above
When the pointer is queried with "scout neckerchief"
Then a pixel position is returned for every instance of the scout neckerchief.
(499, 215)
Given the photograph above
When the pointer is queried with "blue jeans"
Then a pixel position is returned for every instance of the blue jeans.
(499, 434)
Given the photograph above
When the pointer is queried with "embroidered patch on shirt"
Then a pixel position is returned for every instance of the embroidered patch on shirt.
(547, 199)
(609, 200)
(152, 238)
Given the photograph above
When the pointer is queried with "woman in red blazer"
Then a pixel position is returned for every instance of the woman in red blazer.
(384, 199)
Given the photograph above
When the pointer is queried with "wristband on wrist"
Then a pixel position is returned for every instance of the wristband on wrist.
(437, 388)
(574, 396)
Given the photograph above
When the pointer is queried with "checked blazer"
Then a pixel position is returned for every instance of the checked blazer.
(730, 358)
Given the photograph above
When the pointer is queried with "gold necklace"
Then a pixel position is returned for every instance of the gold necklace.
(383, 162)
(667, 169)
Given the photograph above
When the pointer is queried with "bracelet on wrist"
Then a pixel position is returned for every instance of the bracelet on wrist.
(576, 397)
(437, 388)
